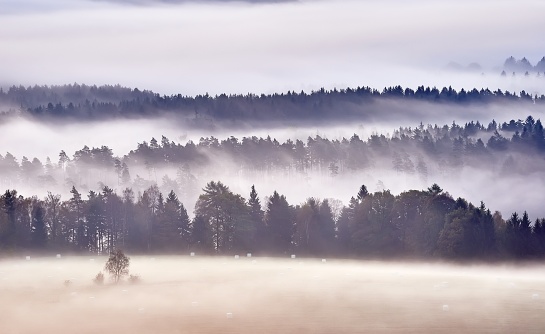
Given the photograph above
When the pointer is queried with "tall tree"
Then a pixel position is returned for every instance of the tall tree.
(38, 227)
(77, 221)
(227, 217)
(9, 224)
(256, 218)
(53, 207)
(280, 225)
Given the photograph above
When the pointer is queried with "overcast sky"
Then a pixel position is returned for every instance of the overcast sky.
(176, 46)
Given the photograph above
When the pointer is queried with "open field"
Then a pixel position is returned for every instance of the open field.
(262, 295)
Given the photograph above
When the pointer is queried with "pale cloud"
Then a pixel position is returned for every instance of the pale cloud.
(236, 47)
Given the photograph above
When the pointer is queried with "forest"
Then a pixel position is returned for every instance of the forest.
(424, 152)
(76, 102)
(272, 166)
(158, 198)
(416, 224)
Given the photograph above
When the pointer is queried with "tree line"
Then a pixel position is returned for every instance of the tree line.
(82, 102)
(516, 147)
(420, 224)
(523, 65)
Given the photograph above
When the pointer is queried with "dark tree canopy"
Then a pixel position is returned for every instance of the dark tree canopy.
(417, 224)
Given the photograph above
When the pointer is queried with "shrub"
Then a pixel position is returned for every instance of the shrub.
(134, 279)
(99, 278)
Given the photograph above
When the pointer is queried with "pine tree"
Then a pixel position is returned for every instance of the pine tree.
(256, 218)
(200, 235)
(38, 227)
(362, 193)
(279, 221)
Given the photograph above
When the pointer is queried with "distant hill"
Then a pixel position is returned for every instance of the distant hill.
(512, 65)
(472, 67)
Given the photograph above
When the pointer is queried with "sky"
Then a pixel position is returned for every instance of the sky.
(195, 47)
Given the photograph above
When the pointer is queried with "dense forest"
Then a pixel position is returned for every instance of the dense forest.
(77, 102)
(138, 201)
(516, 147)
(415, 224)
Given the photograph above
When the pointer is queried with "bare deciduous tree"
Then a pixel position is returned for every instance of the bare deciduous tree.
(117, 265)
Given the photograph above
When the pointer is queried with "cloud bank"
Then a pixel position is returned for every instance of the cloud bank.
(236, 47)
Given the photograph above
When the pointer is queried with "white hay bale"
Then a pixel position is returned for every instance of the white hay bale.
(192, 254)
(229, 315)
(324, 260)
(28, 258)
(237, 257)
(446, 308)
(58, 256)
(249, 255)
(293, 256)
(535, 296)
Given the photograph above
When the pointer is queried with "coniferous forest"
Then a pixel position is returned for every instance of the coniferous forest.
(82, 102)
(158, 197)
(272, 166)
(417, 224)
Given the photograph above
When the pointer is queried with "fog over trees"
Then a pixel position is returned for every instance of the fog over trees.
(158, 197)
(77, 102)
(516, 147)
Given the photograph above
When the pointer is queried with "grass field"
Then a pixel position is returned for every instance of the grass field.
(263, 295)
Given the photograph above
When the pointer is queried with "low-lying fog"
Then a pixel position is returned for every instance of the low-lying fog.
(263, 295)
(42, 140)
(504, 192)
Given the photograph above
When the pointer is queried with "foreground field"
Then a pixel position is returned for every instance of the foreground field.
(261, 295)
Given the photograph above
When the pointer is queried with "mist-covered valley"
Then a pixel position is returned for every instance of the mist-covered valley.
(255, 166)
(397, 139)
(332, 169)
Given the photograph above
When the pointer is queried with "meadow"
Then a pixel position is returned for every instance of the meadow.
(197, 294)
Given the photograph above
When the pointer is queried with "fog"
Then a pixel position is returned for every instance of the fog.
(194, 47)
(32, 138)
(261, 47)
(262, 295)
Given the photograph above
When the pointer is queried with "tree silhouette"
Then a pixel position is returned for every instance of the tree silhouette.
(117, 265)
